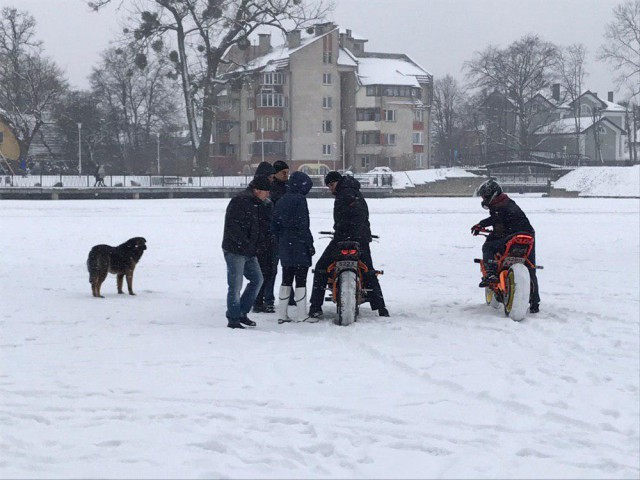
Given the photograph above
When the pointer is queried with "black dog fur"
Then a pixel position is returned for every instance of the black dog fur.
(120, 260)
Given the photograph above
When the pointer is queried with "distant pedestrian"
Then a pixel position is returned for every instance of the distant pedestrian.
(99, 176)
(242, 235)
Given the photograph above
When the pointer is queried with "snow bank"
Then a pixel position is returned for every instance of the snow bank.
(602, 181)
(412, 178)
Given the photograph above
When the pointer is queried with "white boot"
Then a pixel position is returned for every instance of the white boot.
(300, 296)
(283, 303)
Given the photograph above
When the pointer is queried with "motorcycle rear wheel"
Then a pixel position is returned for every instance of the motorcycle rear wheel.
(516, 301)
(347, 294)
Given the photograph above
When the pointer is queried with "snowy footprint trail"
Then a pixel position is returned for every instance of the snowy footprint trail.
(156, 385)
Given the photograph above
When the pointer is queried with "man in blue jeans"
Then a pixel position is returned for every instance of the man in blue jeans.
(242, 234)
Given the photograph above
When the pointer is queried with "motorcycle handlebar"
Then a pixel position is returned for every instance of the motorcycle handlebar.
(332, 233)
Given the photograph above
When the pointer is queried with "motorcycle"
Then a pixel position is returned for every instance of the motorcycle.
(513, 287)
(345, 282)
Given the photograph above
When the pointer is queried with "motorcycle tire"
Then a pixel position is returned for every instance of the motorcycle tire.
(347, 293)
(490, 298)
(516, 301)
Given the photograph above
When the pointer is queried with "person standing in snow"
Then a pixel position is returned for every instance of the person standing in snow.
(507, 220)
(290, 225)
(350, 222)
(242, 234)
(279, 185)
(266, 248)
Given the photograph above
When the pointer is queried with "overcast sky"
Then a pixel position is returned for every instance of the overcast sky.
(438, 34)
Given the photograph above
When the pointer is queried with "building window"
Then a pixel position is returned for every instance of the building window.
(273, 78)
(389, 115)
(389, 138)
(417, 138)
(271, 124)
(419, 159)
(326, 78)
(249, 126)
(327, 49)
(365, 161)
(271, 100)
(368, 138)
(585, 110)
(327, 149)
(270, 148)
(326, 126)
(327, 102)
(368, 114)
(418, 115)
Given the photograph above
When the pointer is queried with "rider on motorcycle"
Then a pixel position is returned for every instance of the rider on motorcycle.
(507, 219)
(351, 222)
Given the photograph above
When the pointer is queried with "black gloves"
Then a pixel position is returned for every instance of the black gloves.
(475, 230)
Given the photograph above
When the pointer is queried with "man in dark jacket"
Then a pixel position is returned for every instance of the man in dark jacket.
(266, 248)
(279, 185)
(507, 219)
(242, 235)
(350, 222)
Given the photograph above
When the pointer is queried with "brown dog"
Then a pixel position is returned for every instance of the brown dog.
(121, 260)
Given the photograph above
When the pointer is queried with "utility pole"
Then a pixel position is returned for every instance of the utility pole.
(79, 148)
(158, 151)
(344, 132)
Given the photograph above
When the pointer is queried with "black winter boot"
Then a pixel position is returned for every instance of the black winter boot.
(247, 321)
(234, 323)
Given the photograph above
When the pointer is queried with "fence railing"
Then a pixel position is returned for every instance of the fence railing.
(367, 180)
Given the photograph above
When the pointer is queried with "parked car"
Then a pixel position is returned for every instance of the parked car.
(380, 170)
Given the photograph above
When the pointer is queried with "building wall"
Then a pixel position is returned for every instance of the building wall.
(306, 99)
(9, 146)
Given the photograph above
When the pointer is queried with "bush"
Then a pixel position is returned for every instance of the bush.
(59, 184)
(119, 184)
(135, 184)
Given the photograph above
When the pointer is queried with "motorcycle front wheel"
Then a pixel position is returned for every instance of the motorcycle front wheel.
(490, 298)
(347, 302)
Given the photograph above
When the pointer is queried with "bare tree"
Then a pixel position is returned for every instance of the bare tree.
(202, 31)
(138, 101)
(30, 84)
(622, 44)
(571, 71)
(448, 98)
(518, 72)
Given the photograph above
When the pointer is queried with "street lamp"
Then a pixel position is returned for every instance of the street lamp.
(79, 148)
(158, 151)
(262, 141)
(344, 132)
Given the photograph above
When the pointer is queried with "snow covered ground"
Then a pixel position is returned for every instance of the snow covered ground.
(602, 181)
(412, 178)
(156, 386)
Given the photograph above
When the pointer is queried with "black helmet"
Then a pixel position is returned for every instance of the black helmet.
(488, 191)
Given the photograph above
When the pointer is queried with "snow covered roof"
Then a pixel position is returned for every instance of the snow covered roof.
(400, 70)
(345, 59)
(344, 31)
(567, 126)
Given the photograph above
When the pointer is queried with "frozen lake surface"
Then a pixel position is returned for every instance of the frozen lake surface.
(156, 386)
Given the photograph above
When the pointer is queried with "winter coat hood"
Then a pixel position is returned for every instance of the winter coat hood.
(348, 181)
(299, 182)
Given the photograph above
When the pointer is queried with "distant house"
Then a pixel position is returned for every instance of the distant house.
(9, 147)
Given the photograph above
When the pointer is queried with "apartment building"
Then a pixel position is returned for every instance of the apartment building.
(321, 102)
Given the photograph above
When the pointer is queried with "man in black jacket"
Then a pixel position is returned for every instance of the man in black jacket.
(279, 185)
(267, 259)
(507, 219)
(242, 235)
(351, 222)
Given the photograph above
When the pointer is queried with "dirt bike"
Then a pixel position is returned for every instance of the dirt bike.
(513, 287)
(346, 281)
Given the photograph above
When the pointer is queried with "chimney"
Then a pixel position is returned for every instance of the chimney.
(322, 28)
(555, 92)
(610, 96)
(293, 39)
(265, 43)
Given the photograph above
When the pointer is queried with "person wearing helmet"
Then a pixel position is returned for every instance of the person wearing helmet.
(351, 222)
(507, 219)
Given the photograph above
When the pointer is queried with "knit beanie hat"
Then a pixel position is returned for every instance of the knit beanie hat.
(265, 168)
(280, 165)
(261, 182)
(332, 176)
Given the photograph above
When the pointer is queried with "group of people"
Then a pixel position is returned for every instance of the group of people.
(268, 223)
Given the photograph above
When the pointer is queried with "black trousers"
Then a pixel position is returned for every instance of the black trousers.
(299, 273)
(320, 276)
(497, 245)
(269, 267)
